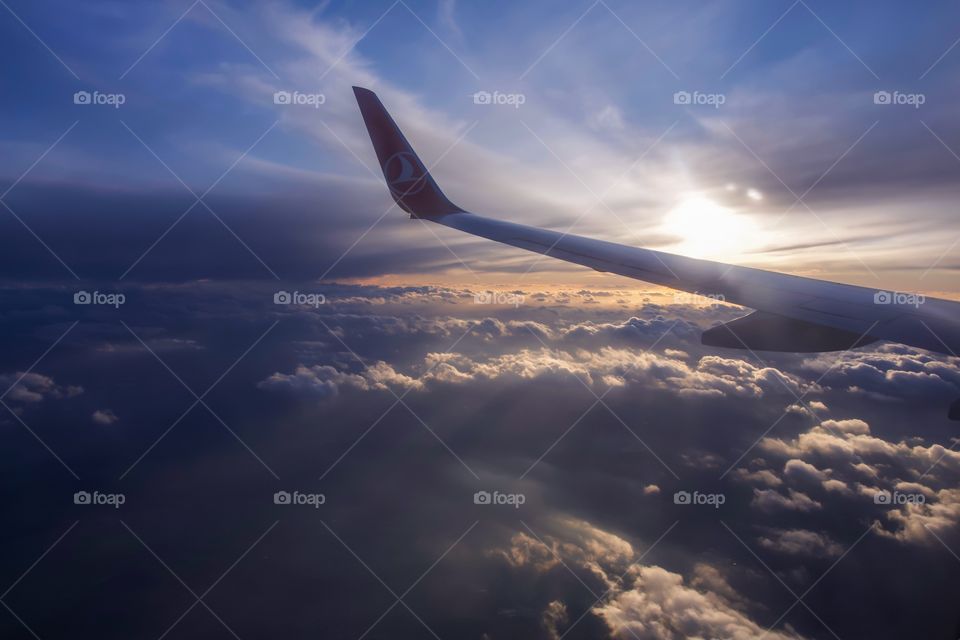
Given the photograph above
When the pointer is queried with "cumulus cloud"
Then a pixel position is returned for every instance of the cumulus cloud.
(648, 602)
(914, 522)
(770, 500)
(31, 388)
(799, 470)
(838, 463)
(890, 370)
(801, 542)
(554, 617)
(908, 486)
(849, 443)
(764, 477)
(607, 367)
(323, 381)
(809, 487)
(525, 550)
(811, 408)
(657, 604)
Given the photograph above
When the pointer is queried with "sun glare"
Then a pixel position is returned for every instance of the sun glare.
(707, 229)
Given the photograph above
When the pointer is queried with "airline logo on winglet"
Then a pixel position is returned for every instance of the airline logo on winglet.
(405, 175)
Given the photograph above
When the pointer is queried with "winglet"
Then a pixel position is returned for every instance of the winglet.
(410, 184)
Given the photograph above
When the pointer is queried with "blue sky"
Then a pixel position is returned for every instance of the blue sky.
(598, 117)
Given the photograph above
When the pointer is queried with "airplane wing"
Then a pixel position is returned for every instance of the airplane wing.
(792, 313)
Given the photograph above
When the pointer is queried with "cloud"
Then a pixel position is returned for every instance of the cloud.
(890, 370)
(643, 601)
(607, 118)
(849, 444)
(104, 417)
(323, 381)
(914, 522)
(446, 13)
(801, 542)
(906, 487)
(555, 617)
(499, 399)
(770, 500)
(764, 477)
(658, 604)
(524, 550)
(800, 471)
(711, 376)
(853, 425)
(32, 388)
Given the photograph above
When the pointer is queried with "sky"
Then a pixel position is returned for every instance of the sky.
(783, 152)
(188, 455)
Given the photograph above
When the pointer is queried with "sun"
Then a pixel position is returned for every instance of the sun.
(707, 229)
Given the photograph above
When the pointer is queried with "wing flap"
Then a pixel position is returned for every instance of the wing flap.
(762, 331)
